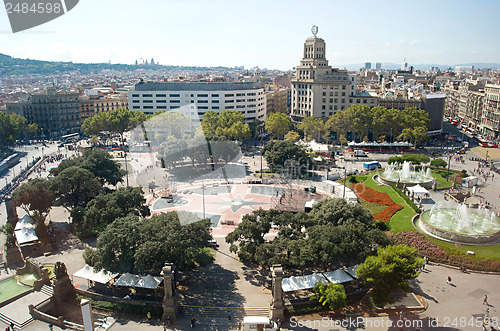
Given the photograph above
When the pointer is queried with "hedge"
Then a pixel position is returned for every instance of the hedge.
(407, 199)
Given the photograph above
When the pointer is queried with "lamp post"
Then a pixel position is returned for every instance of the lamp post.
(126, 166)
(345, 178)
(449, 159)
(203, 194)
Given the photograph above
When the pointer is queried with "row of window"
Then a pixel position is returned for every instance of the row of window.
(201, 95)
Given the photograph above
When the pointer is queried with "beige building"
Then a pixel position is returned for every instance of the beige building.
(277, 98)
(90, 106)
(490, 121)
(318, 89)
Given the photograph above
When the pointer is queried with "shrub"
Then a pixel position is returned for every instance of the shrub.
(439, 163)
(381, 225)
(407, 199)
(413, 158)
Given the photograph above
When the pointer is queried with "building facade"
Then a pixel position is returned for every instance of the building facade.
(490, 120)
(55, 112)
(91, 106)
(247, 98)
(318, 90)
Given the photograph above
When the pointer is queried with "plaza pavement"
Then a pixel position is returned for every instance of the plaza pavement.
(445, 302)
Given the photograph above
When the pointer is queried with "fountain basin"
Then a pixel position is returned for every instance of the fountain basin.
(478, 228)
(406, 174)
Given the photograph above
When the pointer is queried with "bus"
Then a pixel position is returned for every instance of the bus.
(72, 137)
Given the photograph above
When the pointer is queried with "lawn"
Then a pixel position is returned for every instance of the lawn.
(401, 221)
(374, 208)
(440, 175)
(490, 252)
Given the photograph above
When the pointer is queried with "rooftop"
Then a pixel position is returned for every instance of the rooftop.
(197, 86)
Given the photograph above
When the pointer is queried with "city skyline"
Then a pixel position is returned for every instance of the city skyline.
(268, 35)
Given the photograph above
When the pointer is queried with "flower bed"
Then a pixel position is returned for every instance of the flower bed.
(427, 247)
(374, 196)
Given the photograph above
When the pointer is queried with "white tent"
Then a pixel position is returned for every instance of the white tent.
(300, 282)
(310, 204)
(352, 270)
(102, 277)
(338, 276)
(417, 189)
(127, 279)
(25, 235)
(149, 282)
(22, 223)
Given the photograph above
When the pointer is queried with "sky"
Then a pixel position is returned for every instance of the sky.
(268, 34)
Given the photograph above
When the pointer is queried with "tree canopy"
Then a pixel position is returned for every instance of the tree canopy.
(226, 125)
(107, 207)
(98, 162)
(35, 197)
(117, 120)
(132, 244)
(334, 233)
(329, 294)
(278, 124)
(77, 185)
(311, 127)
(12, 126)
(277, 152)
(390, 270)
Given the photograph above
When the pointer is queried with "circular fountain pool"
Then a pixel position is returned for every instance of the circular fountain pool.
(406, 173)
(461, 223)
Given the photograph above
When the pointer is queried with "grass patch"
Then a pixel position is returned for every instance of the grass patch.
(401, 221)
(491, 252)
(440, 175)
(374, 208)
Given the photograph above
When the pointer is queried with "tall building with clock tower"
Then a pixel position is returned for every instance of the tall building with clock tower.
(318, 89)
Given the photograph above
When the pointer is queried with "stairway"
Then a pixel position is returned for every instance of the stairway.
(17, 325)
(47, 290)
(216, 312)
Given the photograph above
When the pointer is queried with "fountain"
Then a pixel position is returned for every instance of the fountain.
(461, 223)
(405, 173)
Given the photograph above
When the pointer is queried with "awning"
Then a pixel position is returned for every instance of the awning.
(417, 189)
(310, 204)
(25, 235)
(352, 270)
(301, 282)
(102, 277)
(149, 282)
(338, 276)
(127, 279)
(24, 222)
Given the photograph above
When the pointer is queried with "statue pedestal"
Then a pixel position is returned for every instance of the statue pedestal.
(170, 305)
(277, 307)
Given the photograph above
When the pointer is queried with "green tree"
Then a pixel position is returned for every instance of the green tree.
(118, 120)
(293, 136)
(249, 235)
(12, 127)
(36, 198)
(329, 294)
(98, 162)
(77, 185)
(277, 152)
(228, 125)
(390, 270)
(311, 127)
(278, 124)
(106, 207)
(440, 163)
(135, 245)
(209, 124)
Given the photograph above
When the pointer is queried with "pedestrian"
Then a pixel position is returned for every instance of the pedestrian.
(487, 313)
(148, 315)
(229, 315)
(51, 327)
(448, 280)
(193, 320)
(12, 326)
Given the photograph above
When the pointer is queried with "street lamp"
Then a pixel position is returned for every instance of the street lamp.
(449, 159)
(345, 178)
(203, 194)
(126, 166)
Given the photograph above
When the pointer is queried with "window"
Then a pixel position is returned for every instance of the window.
(229, 101)
(240, 94)
(201, 114)
(324, 94)
(135, 101)
(343, 87)
(202, 95)
(215, 107)
(323, 107)
(229, 95)
(161, 107)
(343, 100)
(215, 101)
(161, 95)
(175, 95)
(147, 95)
(240, 100)
(251, 112)
(230, 107)
(215, 95)
(202, 107)
(240, 106)
(192, 95)
(148, 107)
(175, 101)
(175, 107)
(133, 96)
(202, 101)
(161, 101)
(148, 101)
(250, 100)
(251, 94)
(136, 107)
(343, 94)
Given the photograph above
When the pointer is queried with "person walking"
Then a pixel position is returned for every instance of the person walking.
(229, 315)
(448, 280)
(193, 321)
(485, 301)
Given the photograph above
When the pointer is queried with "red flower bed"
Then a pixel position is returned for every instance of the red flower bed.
(429, 248)
(374, 196)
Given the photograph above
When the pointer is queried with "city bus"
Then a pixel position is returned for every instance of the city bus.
(72, 137)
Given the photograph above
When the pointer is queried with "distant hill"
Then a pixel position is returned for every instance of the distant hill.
(15, 66)
(395, 66)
